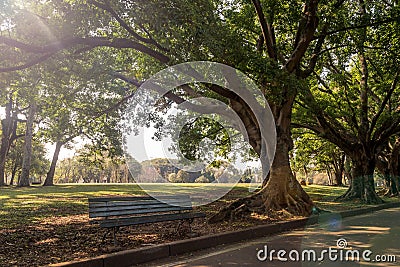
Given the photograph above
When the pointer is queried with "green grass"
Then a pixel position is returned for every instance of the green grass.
(324, 197)
(23, 206)
(26, 206)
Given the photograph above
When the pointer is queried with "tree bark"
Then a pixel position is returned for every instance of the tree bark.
(3, 153)
(14, 172)
(339, 169)
(8, 135)
(50, 174)
(283, 191)
(329, 174)
(26, 162)
(362, 184)
(393, 166)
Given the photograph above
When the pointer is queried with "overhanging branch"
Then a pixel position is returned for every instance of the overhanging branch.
(88, 42)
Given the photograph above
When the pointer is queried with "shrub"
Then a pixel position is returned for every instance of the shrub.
(202, 179)
(173, 178)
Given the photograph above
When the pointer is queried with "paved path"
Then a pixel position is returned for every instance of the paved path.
(378, 232)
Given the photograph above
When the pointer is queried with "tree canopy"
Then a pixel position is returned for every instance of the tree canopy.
(333, 63)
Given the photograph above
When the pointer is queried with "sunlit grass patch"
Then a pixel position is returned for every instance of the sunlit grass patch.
(26, 206)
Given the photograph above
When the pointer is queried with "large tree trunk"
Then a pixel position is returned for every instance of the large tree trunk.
(50, 174)
(282, 192)
(26, 162)
(339, 178)
(362, 185)
(382, 166)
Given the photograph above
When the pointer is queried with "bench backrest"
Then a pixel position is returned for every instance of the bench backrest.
(119, 206)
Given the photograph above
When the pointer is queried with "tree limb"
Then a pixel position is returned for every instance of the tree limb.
(315, 54)
(305, 35)
(371, 24)
(90, 42)
(28, 64)
(384, 102)
(107, 7)
(266, 30)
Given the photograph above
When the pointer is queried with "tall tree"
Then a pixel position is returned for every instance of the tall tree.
(353, 100)
(388, 166)
(8, 135)
(26, 161)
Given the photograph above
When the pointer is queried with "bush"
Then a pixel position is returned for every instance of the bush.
(173, 178)
(202, 179)
(182, 177)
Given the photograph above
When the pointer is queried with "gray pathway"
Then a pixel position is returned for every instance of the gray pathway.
(377, 232)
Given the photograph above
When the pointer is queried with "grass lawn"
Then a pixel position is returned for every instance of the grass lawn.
(41, 225)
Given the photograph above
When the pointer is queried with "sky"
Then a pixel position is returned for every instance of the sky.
(142, 147)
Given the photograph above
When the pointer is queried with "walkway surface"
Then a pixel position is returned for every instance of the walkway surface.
(336, 242)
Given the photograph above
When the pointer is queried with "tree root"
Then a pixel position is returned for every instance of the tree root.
(277, 204)
(366, 199)
(236, 209)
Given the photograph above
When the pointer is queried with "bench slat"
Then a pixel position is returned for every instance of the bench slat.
(148, 219)
(186, 203)
(123, 211)
(133, 207)
(133, 211)
(135, 198)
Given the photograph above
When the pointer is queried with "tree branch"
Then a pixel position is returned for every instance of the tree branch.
(371, 24)
(107, 7)
(385, 101)
(28, 64)
(321, 81)
(315, 129)
(332, 130)
(315, 55)
(90, 42)
(131, 81)
(305, 34)
(266, 29)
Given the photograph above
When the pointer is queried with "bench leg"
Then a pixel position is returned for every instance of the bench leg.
(105, 235)
(178, 227)
(190, 224)
(115, 230)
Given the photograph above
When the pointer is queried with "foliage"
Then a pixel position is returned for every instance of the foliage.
(39, 162)
(182, 176)
(88, 167)
(313, 153)
(173, 178)
(202, 179)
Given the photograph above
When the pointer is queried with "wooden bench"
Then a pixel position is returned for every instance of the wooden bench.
(114, 212)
